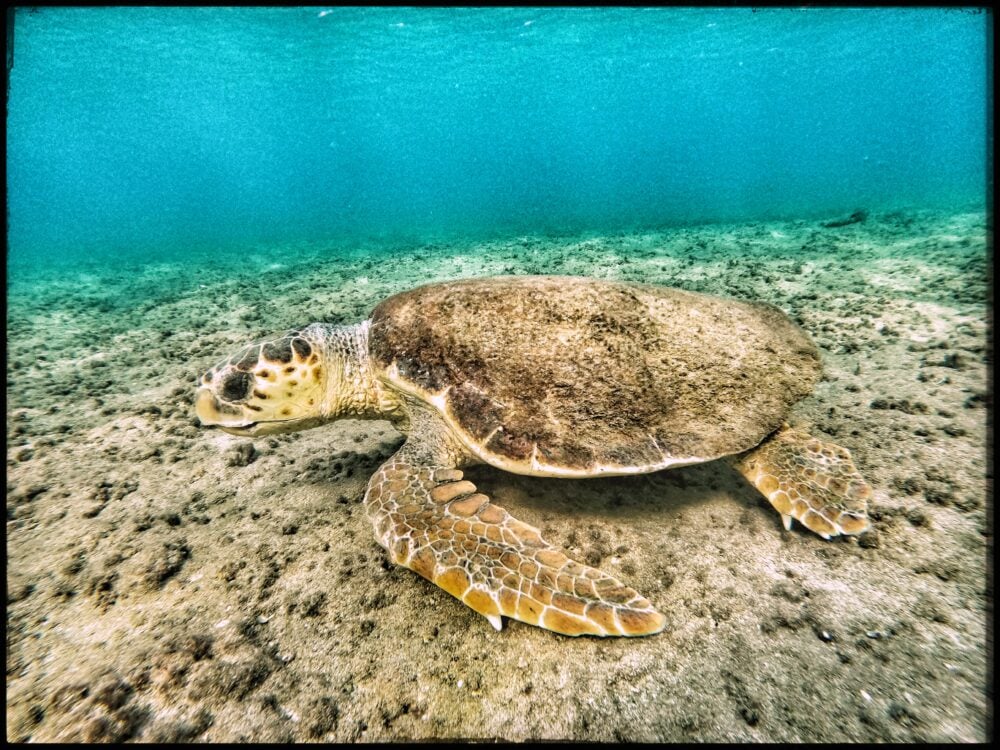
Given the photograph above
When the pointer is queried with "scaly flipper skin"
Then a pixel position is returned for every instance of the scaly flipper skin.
(433, 521)
(811, 481)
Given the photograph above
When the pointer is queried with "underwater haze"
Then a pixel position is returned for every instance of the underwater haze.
(185, 181)
(153, 132)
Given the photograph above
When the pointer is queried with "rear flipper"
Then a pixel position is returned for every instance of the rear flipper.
(434, 522)
(811, 481)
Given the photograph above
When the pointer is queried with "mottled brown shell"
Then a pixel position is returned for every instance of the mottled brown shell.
(576, 377)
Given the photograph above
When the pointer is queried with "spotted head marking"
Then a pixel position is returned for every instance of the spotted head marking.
(272, 386)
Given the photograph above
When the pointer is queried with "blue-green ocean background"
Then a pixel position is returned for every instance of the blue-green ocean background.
(153, 133)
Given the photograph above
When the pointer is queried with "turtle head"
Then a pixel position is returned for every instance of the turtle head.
(272, 386)
(303, 378)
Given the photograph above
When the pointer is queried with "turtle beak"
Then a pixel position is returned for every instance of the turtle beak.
(213, 414)
(206, 407)
(232, 419)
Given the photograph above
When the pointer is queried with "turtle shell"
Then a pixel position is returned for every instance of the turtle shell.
(556, 375)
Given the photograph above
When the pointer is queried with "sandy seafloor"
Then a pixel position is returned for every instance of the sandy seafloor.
(168, 582)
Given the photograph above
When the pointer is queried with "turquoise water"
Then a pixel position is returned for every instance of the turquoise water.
(154, 132)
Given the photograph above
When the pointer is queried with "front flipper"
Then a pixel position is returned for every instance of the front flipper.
(433, 521)
(814, 482)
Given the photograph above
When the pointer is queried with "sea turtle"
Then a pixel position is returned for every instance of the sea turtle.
(552, 376)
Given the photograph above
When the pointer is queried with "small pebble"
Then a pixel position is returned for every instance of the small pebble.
(241, 454)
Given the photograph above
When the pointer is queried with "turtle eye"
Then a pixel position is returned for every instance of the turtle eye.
(236, 386)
